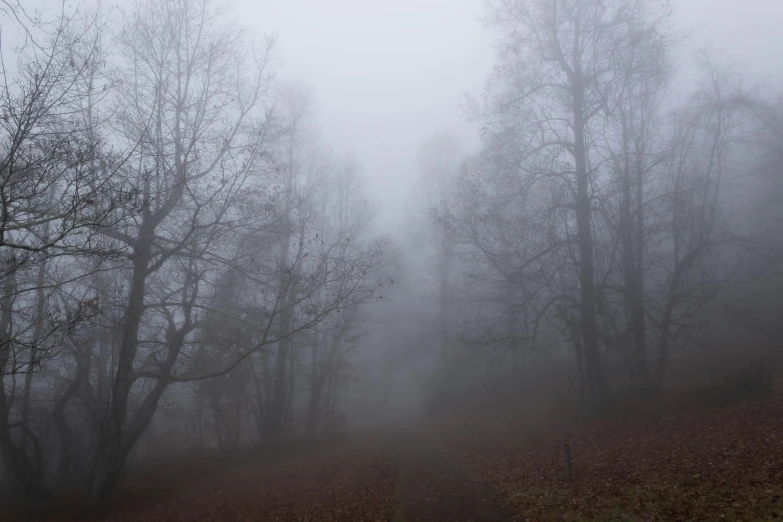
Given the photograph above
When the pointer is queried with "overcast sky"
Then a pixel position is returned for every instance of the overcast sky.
(388, 74)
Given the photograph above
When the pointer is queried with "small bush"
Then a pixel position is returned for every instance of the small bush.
(752, 380)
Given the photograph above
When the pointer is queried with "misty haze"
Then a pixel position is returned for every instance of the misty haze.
(394, 261)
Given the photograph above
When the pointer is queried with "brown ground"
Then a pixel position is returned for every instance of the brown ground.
(676, 458)
(663, 459)
(435, 488)
(351, 479)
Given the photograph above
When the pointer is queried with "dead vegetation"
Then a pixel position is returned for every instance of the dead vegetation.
(675, 456)
(351, 479)
(682, 457)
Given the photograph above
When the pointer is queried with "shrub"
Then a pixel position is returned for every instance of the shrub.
(748, 381)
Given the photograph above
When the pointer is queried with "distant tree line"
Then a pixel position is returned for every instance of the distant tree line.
(609, 209)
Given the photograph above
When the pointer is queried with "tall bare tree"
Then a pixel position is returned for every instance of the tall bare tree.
(193, 98)
(55, 189)
(553, 93)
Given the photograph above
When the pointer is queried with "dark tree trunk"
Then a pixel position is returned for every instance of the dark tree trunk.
(110, 457)
(276, 410)
(68, 442)
(317, 386)
(40, 305)
(316, 383)
(587, 309)
(632, 253)
(20, 469)
(663, 347)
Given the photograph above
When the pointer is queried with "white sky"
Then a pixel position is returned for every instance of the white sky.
(388, 74)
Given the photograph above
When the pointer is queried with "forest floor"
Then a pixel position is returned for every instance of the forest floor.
(434, 487)
(352, 478)
(655, 460)
(682, 457)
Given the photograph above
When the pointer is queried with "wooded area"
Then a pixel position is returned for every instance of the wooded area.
(167, 223)
(185, 266)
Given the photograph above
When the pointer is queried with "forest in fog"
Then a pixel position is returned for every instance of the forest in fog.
(187, 265)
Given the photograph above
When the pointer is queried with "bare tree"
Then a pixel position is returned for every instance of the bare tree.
(193, 99)
(553, 93)
(695, 173)
(55, 189)
(440, 161)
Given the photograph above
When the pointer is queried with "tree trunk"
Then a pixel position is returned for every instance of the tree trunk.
(445, 292)
(580, 369)
(103, 368)
(293, 366)
(67, 439)
(40, 304)
(217, 415)
(317, 386)
(631, 255)
(315, 392)
(276, 410)
(279, 392)
(663, 351)
(672, 299)
(333, 389)
(258, 413)
(146, 410)
(267, 385)
(14, 460)
(588, 326)
(640, 321)
(110, 457)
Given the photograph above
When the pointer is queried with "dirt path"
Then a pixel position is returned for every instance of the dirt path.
(398, 475)
(353, 479)
(434, 489)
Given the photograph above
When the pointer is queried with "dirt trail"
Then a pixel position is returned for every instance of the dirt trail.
(434, 489)
(399, 475)
(346, 480)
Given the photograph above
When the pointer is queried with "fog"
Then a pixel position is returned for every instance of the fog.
(406, 67)
(420, 58)
(252, 230)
